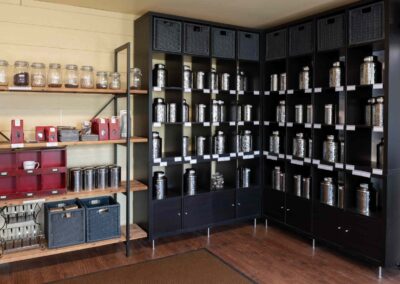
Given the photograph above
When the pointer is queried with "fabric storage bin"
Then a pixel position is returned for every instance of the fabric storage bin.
(366, 23)
(301, 39)
(102, 218)
(64, 227)
(196, 39)
(331, 32)
(223, 43)
(248, 46)
(167, 35)
(276, 44)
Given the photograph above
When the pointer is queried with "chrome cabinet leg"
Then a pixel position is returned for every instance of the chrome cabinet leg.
(313, 244)
(255, 223)
(266, 223)
(380, 272)
(208, 232)
(153, 244)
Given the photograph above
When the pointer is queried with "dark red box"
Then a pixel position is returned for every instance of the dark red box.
(17, 131)
(100, 127)
(114, 129)
(40, 136)
(51, 133)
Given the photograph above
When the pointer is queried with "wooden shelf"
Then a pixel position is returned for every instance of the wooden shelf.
(71, 90)
(135, 233)
(30, 145)
(135, 186)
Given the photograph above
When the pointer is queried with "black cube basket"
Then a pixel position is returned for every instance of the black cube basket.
(276, 45)
(102, 218)
(301, 39)
(167, 35)
(66, 227)
(196, 39)
(248, 46)
(223, 43)
(331, 32)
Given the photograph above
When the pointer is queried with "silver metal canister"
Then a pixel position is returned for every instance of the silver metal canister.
(236, 141)
(159, 110)
(235, 112)
(101, 177)
(299, 150)
(276, 178)
(114, 175)
(328, 114)
(304, 78)
(297, 185)
(342, 152)
(274, 142)
(185, 111)
(283, 182)
(306, 188)
(185, 146)
(244, 177)
(282, 82)
(200, 113)
(76, 179)
(157, 145)
(171, 112)
(88, 178)
(200, 145)
(377, 112)
(187, 77)
(160, 75)
(309, 116)
(341, 196)
(240, 81)
(199, 81)
(222, 111)
(298, 114)
(274, 83)
(225, 81)
(213, 79)
(368, 111)
(190, 179)
(281, 112)
(363, 198)
(160, 185)
(246, 141)
(328, 192)
(380, 152)
(215, 109)
(219, 143)
(330, 150)
(369, 71)
(310, 148)
(247, 112)
(335, 75)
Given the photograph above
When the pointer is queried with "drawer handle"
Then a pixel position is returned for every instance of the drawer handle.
(287, 210)
(67, 215)
(103, 211)
(186, 213)
(282, 207)
(339, 228)
(179, 213)
(233, 204)
(239, 204)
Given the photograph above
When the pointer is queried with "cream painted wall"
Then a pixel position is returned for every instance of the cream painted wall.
(43, 32)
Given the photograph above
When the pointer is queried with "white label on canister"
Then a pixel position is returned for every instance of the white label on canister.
(267, 93)
(281, 124)
(247, 157)
(51, 144)
(325, 167)
(297, 162)
(361, 173)
(157, 160)
(157, 124)
(351, 88)
(17, 145)
(215, 156)
(241, 123)
(350, 167)
(317, 125)
(207, 157)
(339, 89)
(281, 92)
(206, 91)
(178, 159)
(307, 160)
(266, 122)
(241, 93)
(240, 154)
(274, 158)
(215, 123)
(339, 127)
(256, 93)
(281, 156)
(188, 124)
(350, 127)
(377, 172)
(256, 152)
(232, 92)
(378, 86)
(307, 91)
(215, 91)
(206, 124)
(157, 89)
(224, 159)
(187, 158)
(256, 122)
(193, 161)
(233, 155)
(289, 124)
(232, 123)
(163, 164)
(307, 125)
(377, 129)
(318, 90)
(290, 92)
(339, 165)
(188, 90)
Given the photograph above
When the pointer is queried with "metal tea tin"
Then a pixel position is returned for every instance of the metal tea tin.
(368, 111)
(298, 114)
(297, 185)
(225, 81)
(274, 142)
(200, 145)
(304, 78)
(236, 143)
(340, 203)
(380, 152)
(159, 110)
(200, 113)
(342, 152)
(219, 143)
(171, 112)
(76, 179)
(310, 148)
(213, 79)
(235, 112)
(246, 141)
(363, 198)
(160, 75)
(330, 150)
(283, 182)
(185, 111)
(160, 185)
(114, 173)
(299, 150)
(377, 112)
(306, 188)
(157, 145)
(222, 111)
(190, 179)
(240, 81)
(282, 82)
(244, 177)
(199, 80)
(101, 177)
(328, 192)
(276, 178)
(187, 77)
(309, 115)
(281, 112)
(328, 115)
(274, 83)
(335, 75)
(215, 109)
(88, 179)
(247, 112)
(369, 71)
(185, 146)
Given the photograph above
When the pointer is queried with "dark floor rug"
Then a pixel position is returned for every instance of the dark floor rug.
(198, 266)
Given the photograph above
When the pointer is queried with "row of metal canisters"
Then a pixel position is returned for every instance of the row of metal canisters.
(374, 112)
(160, 183)
(331, 194)
(302, 186)
(278, 82)
(163, 112)
(90, 178)
(278, 179)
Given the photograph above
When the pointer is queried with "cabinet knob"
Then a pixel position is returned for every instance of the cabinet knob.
(346, 231)
(239, 204)
(179, 213)
(282, 207)
(233, 204)
(339, 228)
(186, 213)
(288, 209)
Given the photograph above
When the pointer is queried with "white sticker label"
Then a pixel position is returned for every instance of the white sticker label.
(241, 93)
(188, 90)
(307, 125)
(256, 122)
(206, 91)
(178, 159)
(325, 167)
(188, 124)
(339, 89)
(308, 91)
(215, 91)
(206, 124)
(307, 160)
(241, 123)
(232, 123)
(207, 157)
(289, 124)
(232, 92)
(215, 156)
(274, 158)
(102, 121)
(247, 157)
(157, 89)
(281, 156)
(17, 145)
(290, 92)
(362, 174)
(157, 160)
(224, 159)
(351, 88)
(17, 122)
(187, 159)
(316, 162)
(3, 174)
(215, 123)
(232, 155)
(339, 165)
(193, 161)
(281, 124)
(256, 152)
(289, 157)
(378, 86)
(281, 92)
(339, 127)
(317, 125)
(297, 162)
(256, 93)
(350, 127)
(163, 164)
(265, 153)
(266, 122)
(350, 167)
(267, 93)
(377, 172)
(378, 129)
(318, 90)
(51, 144)
(54, 170)
(157, 124)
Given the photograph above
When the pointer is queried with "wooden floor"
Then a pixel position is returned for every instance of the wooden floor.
(270, 255)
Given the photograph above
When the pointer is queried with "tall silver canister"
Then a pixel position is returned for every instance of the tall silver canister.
(172, 112)
(200, 145)
(299, 150)
(246, 141)
(304, 78)
(380, 152)
(328, 192)
(222, 111)
(281, 112)
(88, 179)
(236, 142)
(185, 111)
(235, 112)
(310, 148)
(157, 145)
(309, 115)
(297, 185)
(225, 81)
(247, 112)
(276, 178)
(200, 113)
(363, 198)
(114, 174)
(76, 179)
(342, 152)
(274, 142)
(274, 83)
(306, 192)
(159, 110)
(282, 82)
(185, 146)
(160, 185)
(329, 114)
(213, 79)
(215, 109)
(335, 75)
(330, 150)
(240, 81)
(341, 196)
(160, 76)
(199, 80)
(101, 177)
(244, 177)
(368, 111)
(187, 77)
(369, 72)
(190, 179)
(377, 112)
(283, 181)
(298, 114)
(219, 143)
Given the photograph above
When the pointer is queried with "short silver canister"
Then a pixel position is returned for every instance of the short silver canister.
(299, 146)
(157, 145)
(306, 190)
(190, 181)
(236, 142)
(235, 112)
(274, 83)
(114, 174)
(274, 142)
(282, 82)
(172, 112)
(200, 145)
(330, 150)
(160, 185)
(369, 71)
(222, 111)
(328, 192)
(160, 75)
(276, 178)
(199, 80)
(101, 177)
(281, 112)
(328, 114)
(341, 196)
(283, 181)
(88, 179)
(309, 115)
(159, 110)
(247, 112)
(185, 111)
(185, 146)
(377, 112)
(225, 81)
(219, 143)
(304, 78)
(310, 148)
(342, 152)
(368, 111)
(297, 185)
(298, 114)
(187, 77)
(244, 177)
(76, 179)
(363, 198)
(215, 109)
(246, 141)
(213, 79)
(200, 113)
(335, 75)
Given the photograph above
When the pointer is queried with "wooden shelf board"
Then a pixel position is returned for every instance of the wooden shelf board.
(73, 91)
(135, 233)
(30, 145)
(135, 187)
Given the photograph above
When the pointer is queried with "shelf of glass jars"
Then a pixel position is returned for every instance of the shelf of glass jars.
(31, 145)
(70, 90)
(207, 123)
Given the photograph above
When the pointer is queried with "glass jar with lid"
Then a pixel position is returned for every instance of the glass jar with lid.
(102, 80)
(87, 78)
(3, 73)
(115, 81)
(21, 73)
(136, 79)
(54, 78)
(71, 78)
(38, 74)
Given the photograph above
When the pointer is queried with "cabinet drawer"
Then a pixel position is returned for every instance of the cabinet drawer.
(276, 44)
(301, 39)
(274, 204)
(167, 35)
(196, 39)
(248, 46)
(223, 206)
(223, 43)
(328, 223)
(248, 202)
(197, 210)
(298, 212)
(167, 215)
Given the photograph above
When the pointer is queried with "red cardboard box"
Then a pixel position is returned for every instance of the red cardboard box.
(114, 129)
(100, 127)
(40, 136)
(51, 133)
(17, 131)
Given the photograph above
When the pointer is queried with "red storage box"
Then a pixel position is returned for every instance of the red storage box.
(51, 133)
(40, 136)
(17, 131)
(100, 127)
(114, 129)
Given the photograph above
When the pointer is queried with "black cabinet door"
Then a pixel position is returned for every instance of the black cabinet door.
(223, 206)
(298, 212)
(328, 223)
(364, 235)
(274, 204)
(167, 216)
(197, 210)
(248, 203)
